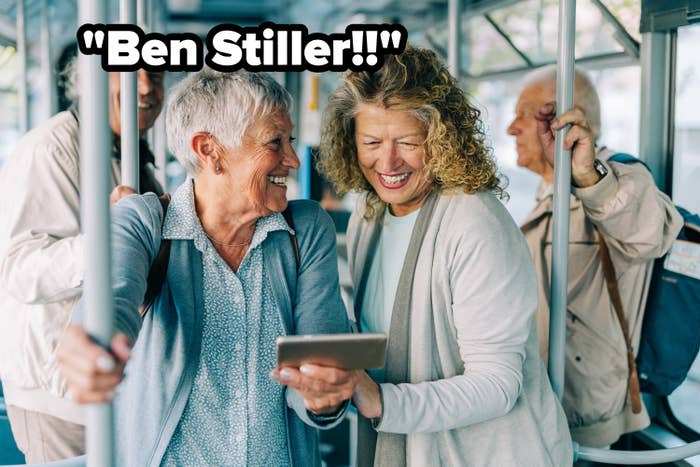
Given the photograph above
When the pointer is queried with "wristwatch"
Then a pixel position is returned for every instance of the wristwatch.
(600, 168)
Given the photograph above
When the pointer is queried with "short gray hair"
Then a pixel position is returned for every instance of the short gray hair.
(222, 104)
(585, 94)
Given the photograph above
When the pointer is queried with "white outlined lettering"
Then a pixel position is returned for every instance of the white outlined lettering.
(268, 47)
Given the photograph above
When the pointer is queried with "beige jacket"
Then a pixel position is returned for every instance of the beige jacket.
(478, 393)
(41, 263)
(639, 223)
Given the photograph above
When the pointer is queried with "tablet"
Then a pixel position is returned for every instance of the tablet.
(346, 351)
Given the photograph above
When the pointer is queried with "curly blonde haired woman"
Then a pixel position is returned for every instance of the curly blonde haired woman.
(440, 266)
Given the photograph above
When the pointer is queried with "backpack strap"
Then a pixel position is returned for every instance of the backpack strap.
(624, 158)
(159, 267)
(287, 214)
(613, 290)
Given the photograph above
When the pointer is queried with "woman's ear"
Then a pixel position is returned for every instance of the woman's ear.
(203, 145)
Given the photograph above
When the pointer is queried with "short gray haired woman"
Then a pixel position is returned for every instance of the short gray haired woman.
(200, 383)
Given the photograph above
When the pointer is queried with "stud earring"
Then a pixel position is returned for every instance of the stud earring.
(217, 168)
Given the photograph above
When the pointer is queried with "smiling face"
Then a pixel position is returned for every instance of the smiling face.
(391, 153)
(259, 167)
(150, 99)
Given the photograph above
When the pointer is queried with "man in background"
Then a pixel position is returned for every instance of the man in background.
(41, 265)
(638, 223)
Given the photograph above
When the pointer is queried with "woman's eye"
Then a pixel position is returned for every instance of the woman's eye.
(371, 143)
(276, 142)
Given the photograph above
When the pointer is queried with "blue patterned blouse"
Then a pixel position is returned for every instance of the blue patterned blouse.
(235, 414)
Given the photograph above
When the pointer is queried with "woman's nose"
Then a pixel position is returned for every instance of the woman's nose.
(389, 158)
(290, 158)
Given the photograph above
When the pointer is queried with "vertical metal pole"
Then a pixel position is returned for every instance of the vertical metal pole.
(46, 62)
(22, 93)
(454, 18)
(352, 436)
(657, 102)
(95, 183)
(152, 7)
(160, 143)
(143, 19)
(142, 14)
(160, 151)
(562, 192)
(305, 172)
(129, 110)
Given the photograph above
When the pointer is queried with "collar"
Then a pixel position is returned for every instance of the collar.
(182, 223)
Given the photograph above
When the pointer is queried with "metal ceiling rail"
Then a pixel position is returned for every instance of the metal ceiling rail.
(611, 60)
(506, 36)
(479, 8)
(630, 45)
(627, 42)
(656, 456)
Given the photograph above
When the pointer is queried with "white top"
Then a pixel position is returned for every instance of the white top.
(378, 302)
(384, 273)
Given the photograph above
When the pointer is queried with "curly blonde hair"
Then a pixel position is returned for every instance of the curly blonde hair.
(456, 156)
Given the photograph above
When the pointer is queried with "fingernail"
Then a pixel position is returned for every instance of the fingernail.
(305, 370)
(106, 364)
(285, 374)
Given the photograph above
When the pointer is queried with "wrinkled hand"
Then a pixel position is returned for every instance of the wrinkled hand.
(579, 139)
(91, 372)
(324, 389)
(119, 192)
(367, 398)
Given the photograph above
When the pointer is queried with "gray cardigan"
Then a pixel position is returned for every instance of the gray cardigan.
(159, 375)
(477, 393)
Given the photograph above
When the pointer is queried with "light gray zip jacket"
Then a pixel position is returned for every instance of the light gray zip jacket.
(478, 393)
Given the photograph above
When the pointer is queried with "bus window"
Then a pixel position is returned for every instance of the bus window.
(9, 69)
(685, 401)
(686, 159)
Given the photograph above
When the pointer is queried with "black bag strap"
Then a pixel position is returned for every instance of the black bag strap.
(287, 213)
(159, 268)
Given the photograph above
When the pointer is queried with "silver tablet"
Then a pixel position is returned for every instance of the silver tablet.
(346, 351)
